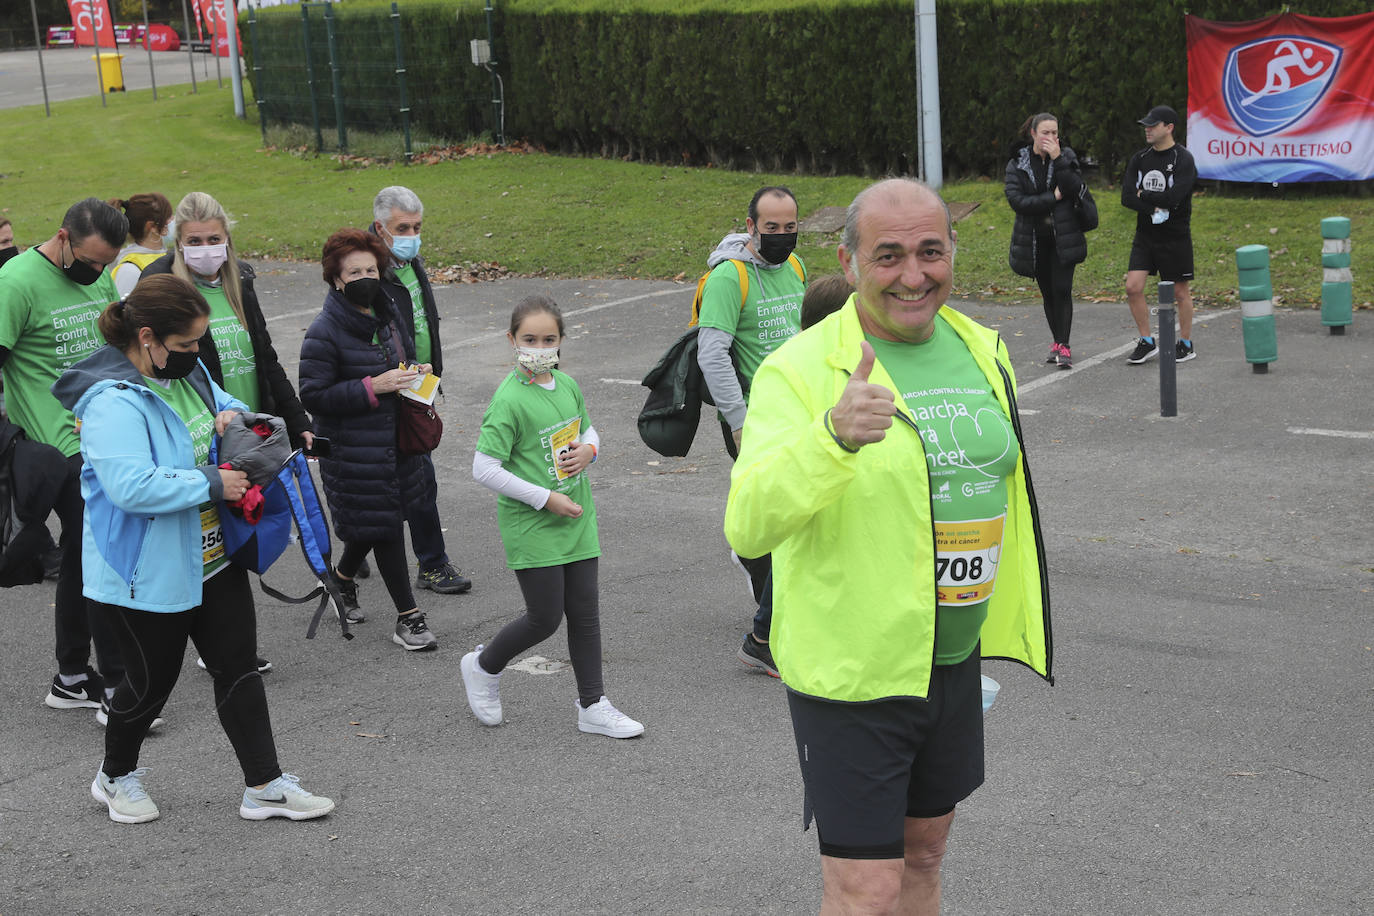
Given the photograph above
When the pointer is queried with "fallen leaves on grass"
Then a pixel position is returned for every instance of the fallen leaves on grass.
(468, 272)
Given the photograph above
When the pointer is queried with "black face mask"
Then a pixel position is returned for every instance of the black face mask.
(179, 364)
(775, 247)
(81, 273)
(362, 291)
(7, 253)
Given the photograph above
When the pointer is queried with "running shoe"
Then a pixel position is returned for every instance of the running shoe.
(102, 715)
(483, 689)
(81, 695)
(756, 654)
(1183, 352)
(601, 718)
(1145, 349)
(283, 797)
(1054, 355)
(125, 797)
(348, 588)
(413, 633)
(446, 580)
(1065, 358)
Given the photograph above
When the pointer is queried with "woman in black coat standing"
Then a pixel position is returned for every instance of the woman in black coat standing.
(1045, 188)
(355, 358)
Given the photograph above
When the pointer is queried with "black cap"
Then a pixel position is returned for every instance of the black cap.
(1160, 114)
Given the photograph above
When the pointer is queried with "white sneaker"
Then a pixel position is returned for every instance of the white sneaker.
(601, 718)
(283, 797)
(484, 690)
(125, 797)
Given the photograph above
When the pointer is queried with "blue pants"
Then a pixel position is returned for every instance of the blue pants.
(426, 531)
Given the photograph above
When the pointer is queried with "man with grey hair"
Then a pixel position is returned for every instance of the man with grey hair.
(51, 297)
(396, 217)
(883, 466)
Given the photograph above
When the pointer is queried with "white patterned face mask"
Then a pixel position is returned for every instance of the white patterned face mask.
(536, 360)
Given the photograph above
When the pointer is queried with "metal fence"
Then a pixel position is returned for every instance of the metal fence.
(335, 74)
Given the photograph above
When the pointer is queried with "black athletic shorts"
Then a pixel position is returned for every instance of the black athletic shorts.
(1171, 257)
(869, 766)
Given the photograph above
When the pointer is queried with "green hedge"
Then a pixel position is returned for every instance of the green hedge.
(777, 85)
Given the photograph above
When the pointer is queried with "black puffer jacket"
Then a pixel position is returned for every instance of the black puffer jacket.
(367, 482)
(1034, 203)
(275, 394)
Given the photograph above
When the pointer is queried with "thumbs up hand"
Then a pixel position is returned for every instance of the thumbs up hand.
(864, 411)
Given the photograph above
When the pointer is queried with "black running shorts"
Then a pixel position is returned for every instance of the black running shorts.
(869, 766)
(1171, 257)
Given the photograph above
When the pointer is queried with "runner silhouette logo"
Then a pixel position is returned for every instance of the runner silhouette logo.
(1270, 84)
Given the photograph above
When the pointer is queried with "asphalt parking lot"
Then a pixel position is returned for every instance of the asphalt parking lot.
(1205, 749)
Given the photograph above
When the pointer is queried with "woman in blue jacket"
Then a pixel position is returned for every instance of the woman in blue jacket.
(147, 410)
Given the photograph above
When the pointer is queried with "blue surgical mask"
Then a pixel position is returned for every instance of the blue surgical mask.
(405, 247)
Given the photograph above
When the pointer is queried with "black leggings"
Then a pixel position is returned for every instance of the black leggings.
(551, 593)
(224, 629)
(391, 563)
(1056, 288)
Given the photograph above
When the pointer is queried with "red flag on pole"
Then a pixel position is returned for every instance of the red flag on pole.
(91, 23)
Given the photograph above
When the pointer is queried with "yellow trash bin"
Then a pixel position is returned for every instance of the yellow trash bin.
(111, 71)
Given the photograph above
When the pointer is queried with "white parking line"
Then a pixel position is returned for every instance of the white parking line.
(621, 381)
(1100, 358)
(1337, 433)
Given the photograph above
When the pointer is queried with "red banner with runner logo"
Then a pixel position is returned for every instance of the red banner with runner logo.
(91, 23)
(1284, 99)
(212, 13)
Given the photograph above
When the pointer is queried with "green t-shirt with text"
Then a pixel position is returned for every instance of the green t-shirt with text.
(48, 323)
(524, 427)
(200, 423)
(406, 274)
(771, 313)
(237, 363)
(970, 449)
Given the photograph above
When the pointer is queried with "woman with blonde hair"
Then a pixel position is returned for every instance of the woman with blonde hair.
(236, 348)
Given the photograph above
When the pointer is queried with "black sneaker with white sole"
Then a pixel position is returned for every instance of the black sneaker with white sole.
(81, 695)
(1145, 349)
(1184, 351)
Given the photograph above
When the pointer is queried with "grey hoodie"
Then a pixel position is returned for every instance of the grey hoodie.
(713, 344)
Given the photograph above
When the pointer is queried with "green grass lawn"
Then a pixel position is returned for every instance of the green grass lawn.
(564, 216)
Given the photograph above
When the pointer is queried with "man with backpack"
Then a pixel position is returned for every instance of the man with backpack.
(750, 303)
(50, 298)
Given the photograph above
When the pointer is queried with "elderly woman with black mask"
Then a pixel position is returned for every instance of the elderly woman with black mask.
(355, 359)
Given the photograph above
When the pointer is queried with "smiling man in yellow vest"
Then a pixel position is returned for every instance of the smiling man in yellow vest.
(883, 467)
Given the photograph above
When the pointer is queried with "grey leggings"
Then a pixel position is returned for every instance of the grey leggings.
(551, 593)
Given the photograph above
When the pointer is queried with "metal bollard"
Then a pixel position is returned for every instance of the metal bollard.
(1336, 278)
(1257, 307)
(1168, 354)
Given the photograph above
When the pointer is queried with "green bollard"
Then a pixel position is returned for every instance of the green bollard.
(1336, 277)
(1257, 307)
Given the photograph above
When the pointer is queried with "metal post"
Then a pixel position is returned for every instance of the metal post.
(38, 43)
(190, 55)
(310, 79)
(335, 73)
(257, 68)
(99, 77)
(230, 16)
(928, 86)
(401, 77)
(1168, 368)
(152, 74)
(497, 93)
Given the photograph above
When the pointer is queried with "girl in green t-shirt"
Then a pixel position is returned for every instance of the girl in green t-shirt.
(535, 444)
